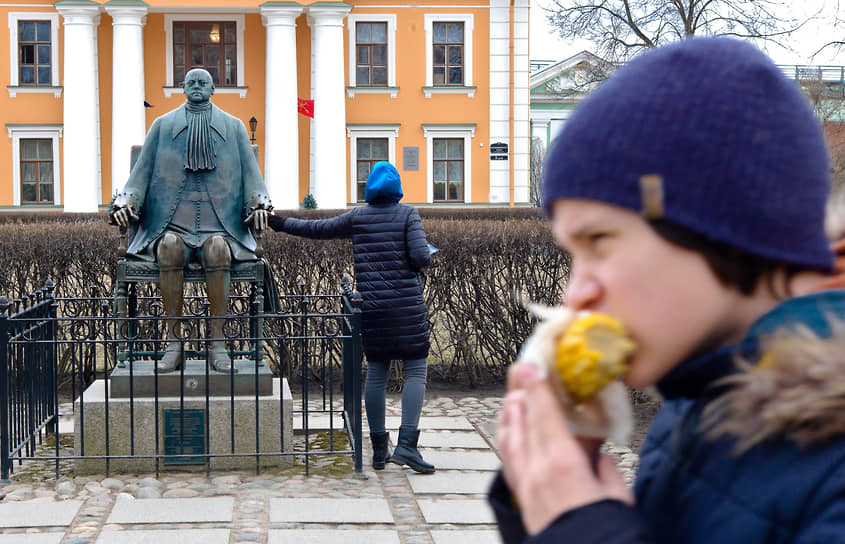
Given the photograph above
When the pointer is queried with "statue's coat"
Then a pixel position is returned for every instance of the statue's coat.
(158, 179)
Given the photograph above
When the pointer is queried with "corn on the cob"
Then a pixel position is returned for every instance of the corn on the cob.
(591, 354)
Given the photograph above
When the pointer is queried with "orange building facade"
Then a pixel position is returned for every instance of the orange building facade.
(439, 89)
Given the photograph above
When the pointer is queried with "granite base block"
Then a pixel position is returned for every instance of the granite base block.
(128, 420)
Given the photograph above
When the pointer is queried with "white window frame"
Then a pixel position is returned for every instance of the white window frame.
(352, 21)
(353, 132)
(14, 76)
(25, 132)
(467, 132)
(170, 18)
(429, 20)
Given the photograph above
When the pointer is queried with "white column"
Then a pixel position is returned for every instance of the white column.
(81, 112)
(281, 147)
(329, 126)
(128, 119)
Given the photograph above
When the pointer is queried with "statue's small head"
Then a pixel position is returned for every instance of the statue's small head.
(198, 85)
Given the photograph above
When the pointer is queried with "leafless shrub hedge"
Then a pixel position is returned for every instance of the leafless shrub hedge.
(474, 288)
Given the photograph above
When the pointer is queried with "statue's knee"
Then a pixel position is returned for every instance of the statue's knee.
(171, 252)
(216, 254)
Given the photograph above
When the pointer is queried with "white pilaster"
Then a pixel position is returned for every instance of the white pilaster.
(499, 97)
(281, 134)
(521, 146)
(128, 119)
(329, 126)
(81, 111)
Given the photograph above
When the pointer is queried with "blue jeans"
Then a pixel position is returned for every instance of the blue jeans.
(413, 393)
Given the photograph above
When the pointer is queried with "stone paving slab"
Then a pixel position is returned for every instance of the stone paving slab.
(193, 510)
(318, 423)
(330, 511)
(38, 513)
(461, 460)
(449, 481)
(186, 536)
(321, 422)
(448, 439)
(466, 537)
(331, 536)
(458, 511)
(32, 538)
(442, 423)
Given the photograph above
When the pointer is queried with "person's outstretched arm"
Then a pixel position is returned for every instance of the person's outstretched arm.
(322, 229)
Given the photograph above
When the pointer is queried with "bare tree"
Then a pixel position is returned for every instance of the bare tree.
(622, 28)
(535, 181)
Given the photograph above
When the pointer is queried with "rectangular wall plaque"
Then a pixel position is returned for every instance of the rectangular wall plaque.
(184, 434)
(410, 158)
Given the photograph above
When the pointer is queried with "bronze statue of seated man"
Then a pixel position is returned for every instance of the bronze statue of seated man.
(191, 195)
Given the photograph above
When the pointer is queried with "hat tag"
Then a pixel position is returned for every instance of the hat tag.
(651, 193)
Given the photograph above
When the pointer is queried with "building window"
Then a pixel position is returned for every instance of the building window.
(368, 144)
(36, 162)
(212, 46)
(35, 56)
(448, 169)
(370, 151)
(371, 54)
(33, 41)
(448, 54)
(449, 161)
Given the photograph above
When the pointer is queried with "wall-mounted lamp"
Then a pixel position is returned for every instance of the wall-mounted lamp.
(253, 124)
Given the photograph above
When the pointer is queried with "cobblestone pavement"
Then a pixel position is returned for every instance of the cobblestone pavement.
(391, 506)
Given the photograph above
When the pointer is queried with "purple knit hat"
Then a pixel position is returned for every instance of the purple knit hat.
(709, 134)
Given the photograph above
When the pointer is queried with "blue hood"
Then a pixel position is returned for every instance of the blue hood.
(383, 183)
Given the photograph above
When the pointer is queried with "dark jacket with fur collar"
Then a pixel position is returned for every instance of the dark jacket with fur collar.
(748, 448)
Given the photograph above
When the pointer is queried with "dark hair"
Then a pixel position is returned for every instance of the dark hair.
(733, 267)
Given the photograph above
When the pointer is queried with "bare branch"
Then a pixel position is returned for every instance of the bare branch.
(621, 28)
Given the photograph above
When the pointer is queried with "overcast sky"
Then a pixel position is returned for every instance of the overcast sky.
(545, 45)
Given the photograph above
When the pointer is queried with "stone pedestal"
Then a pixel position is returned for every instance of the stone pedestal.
(191, 382)
(93, 429)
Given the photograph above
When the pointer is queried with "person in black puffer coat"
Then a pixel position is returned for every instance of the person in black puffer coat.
(390, 250)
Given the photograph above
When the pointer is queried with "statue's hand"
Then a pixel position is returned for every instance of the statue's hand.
(258, 218)
(123, 215)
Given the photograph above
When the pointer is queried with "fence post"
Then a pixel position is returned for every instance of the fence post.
(5, 462)
(357, 302)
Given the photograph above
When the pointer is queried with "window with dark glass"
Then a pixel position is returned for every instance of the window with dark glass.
(211, 46)
(34, 54)
(448, 54)
(370, 151)
(371, 54)
(36, 171)
(448, 164)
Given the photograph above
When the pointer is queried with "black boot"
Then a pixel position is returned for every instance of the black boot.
(406, 452)
(380, 453)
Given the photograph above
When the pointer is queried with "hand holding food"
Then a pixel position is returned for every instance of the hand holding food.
(583, 354)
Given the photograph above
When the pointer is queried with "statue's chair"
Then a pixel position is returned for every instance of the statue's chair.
(131, 272)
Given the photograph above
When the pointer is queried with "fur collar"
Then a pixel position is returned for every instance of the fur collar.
(795, 389)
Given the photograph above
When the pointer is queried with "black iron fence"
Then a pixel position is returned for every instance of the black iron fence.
(128, 415)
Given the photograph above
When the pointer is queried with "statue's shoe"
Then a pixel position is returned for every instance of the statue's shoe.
(220, 360)
(172, 358)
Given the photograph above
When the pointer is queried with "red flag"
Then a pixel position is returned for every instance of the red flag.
(305, 107)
